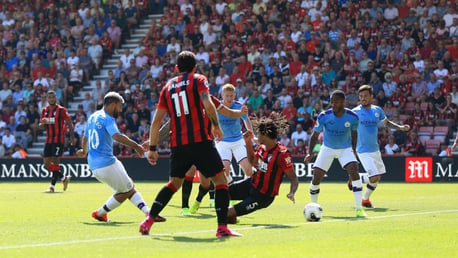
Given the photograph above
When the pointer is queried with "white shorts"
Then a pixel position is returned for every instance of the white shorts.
(226, 149)
(327, 155)
(115, 176)
(372, 162)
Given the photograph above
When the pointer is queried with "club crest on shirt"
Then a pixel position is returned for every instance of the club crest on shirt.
(347, 124)
(288, 161)
(377, 115)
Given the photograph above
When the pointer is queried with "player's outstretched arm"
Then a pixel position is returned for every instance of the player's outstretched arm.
(354, 140)
(233, 113)
(294, 183)
(123, 139)
(455, 143)
(392, 125)
(154, 135)
(83, 151)
(211, 112)
(312, 143)
(248, 137)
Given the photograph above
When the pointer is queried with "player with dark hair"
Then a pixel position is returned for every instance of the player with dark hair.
(367, 147)
(272, 161)
(205, 183)
(194, 123)
(53, 118)
(339, 125)
(97, 142)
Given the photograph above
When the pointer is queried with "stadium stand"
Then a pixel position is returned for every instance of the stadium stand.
(303, 50)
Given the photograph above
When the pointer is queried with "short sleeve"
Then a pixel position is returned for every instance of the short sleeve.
(319, 123)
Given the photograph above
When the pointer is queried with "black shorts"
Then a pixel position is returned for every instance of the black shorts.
(53, 150)
(252, 199)
(203, 155)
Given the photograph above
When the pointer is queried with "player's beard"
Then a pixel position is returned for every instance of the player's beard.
(115, 113)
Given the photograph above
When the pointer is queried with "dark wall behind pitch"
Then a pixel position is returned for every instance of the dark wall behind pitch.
(399, 169)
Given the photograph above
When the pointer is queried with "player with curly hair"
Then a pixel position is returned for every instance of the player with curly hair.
(271, 160)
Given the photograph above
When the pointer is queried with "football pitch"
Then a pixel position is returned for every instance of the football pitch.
(410, 220)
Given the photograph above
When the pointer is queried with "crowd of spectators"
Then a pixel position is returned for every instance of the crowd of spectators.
(282, 56)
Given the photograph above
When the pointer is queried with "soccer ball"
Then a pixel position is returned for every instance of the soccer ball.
(313, 212)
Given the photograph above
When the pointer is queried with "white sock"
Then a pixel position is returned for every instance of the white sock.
(364, 177)
(314, 192)
(110, 205)
(370, 188)
(357, 192)
(138, 201)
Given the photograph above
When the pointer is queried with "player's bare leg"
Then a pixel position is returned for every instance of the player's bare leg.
(357, 187)
(318, 175)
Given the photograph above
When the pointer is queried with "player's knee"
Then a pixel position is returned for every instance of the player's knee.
(352, 167)
(374, 179)
(318, 174)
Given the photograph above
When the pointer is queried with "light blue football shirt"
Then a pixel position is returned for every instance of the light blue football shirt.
(231, 127)
(99, 131)
(336, 130)
(369, 118)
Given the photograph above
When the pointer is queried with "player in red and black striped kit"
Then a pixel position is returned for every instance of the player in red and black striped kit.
(186, 99)
(53, 118)
(272, 160)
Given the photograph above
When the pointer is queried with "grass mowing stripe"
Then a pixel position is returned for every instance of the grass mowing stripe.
(212, 230)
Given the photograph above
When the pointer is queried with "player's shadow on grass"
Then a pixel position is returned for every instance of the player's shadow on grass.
(190, 239)
(108, 224)
(269, 226)
(378, 209)
(202, 216)
(47, 193)
(340, 218)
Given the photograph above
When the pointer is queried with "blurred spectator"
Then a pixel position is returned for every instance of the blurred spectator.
(300, 149)
(23, 132)
(19, 152)
(114, 32)
(299, 134)
(413, 146)
(80, 126)
(95, 52)
(2, 147)
(8, 140)
(391, 147)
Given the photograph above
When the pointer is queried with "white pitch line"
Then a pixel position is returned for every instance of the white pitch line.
(72, 242)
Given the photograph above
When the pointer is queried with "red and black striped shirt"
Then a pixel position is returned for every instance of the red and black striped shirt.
(188, 120)
(55, 132)
(272, 164)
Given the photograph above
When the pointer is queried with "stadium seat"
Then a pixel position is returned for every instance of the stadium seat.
(403, 117)
(424, 138)
(425, 130)
(440, 130)
(409, 107)
(432, 151)
(440, 138)
(432, 144)
(425, 133)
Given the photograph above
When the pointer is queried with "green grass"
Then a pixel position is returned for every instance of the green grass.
(412, 220)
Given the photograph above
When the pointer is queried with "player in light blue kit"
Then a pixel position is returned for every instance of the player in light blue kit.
(232, 143)
(367, 147)
(97, 142)
(339, 126)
